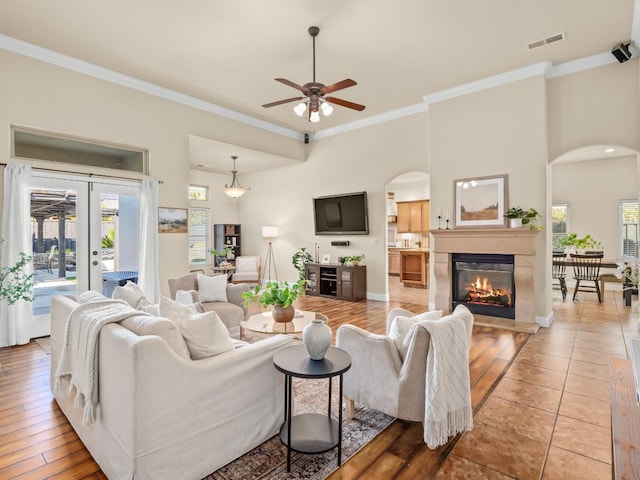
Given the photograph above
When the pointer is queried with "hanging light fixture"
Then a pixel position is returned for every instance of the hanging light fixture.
(235, 190)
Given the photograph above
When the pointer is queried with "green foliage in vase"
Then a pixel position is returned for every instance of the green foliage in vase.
(275, 293)
(300, 259)
(571, 239)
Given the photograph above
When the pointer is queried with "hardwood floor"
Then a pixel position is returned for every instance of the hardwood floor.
(36, 441)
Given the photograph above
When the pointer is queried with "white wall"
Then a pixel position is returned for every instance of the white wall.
(593, 190)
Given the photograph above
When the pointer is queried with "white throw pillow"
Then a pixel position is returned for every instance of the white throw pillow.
(246, 265)
(212, 289)
(90, 296)
(162, 327)
(400, 327)
(130, 293)
(185, 297)
(204, 333)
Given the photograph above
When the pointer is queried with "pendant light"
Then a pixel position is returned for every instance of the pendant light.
(235, 190)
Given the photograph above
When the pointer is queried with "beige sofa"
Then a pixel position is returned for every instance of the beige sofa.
(164, 416)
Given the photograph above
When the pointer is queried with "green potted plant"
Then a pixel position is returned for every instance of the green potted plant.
(354, 260)
(571, 242)
(220, 255)
(280, 295)
(519, 217)
(300, 259)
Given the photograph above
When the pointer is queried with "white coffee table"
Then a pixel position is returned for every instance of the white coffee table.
(264, 323)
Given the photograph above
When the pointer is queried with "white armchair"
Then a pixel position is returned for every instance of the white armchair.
(379, 377)
(247, 270)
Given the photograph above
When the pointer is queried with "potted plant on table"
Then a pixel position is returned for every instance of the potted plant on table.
(519, 217)
(300, 259)
(221, 255)
(280, 295)
(571, 242)
(353, 260)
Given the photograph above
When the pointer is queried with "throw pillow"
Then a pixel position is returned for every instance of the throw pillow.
(212, 289)
(185, 297)
(90, 296)
(246, 265)
(130, 293)
(400, 327)
(162, 327)
(204, 333)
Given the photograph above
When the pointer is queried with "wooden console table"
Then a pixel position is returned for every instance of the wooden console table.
(336, 281)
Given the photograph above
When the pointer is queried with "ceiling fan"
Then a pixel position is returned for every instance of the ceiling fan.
(314, 92)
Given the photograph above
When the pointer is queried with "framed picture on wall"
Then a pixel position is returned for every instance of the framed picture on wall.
(481, 201)
(172, 220)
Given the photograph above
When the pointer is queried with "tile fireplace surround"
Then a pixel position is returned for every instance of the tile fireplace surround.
(519, 242)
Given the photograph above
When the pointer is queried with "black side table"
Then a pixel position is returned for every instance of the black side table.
(311, 432)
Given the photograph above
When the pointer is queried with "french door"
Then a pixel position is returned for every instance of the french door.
(85, 236)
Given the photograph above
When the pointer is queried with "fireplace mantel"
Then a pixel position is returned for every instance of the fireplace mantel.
(519, 242)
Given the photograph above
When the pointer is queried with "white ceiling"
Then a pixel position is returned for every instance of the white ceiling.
(229, 52)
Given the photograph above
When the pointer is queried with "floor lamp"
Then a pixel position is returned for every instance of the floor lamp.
(269, 232)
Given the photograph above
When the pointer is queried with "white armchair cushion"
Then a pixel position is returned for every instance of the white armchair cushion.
(212, 289)
(186, 297)
(247, 264)
(401, 325)
(204, 333)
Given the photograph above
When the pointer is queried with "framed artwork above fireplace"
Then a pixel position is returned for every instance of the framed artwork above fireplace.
(481, 201)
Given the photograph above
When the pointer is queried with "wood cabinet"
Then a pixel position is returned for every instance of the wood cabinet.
(413, 217)
(414, 268)
(336, 281)
(394, 262)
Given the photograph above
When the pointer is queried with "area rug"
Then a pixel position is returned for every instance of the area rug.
(269, 460)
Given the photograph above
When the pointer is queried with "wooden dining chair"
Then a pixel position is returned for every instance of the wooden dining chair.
(559, 272)
(586, 268)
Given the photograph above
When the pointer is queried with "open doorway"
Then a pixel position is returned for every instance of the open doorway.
(408, 246)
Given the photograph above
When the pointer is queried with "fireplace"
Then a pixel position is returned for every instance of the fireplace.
(484, 283)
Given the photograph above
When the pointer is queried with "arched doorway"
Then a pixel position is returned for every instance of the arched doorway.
(408, 187)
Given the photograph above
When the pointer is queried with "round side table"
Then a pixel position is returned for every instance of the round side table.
(311, 432)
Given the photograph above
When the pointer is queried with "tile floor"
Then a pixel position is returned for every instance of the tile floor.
(549, 417)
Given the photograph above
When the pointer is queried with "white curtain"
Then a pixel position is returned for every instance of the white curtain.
(148, 273)
(15, 320)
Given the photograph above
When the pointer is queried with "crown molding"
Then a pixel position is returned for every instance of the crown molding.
(70, 63)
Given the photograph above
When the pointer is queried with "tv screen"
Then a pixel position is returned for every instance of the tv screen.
(341, 214)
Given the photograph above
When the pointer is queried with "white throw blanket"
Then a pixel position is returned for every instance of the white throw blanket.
(447, 386)
(78, 365)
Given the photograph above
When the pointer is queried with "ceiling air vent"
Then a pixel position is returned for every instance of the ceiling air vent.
(546, 41)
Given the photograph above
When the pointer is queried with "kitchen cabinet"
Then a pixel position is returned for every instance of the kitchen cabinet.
(394, 262)
(414, 268)
(413, 217)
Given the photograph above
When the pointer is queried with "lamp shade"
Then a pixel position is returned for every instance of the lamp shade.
(269, 232)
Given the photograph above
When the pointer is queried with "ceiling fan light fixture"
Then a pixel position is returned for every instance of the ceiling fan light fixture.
(326, 108)
(300, 108)
(314, 116)
(235, 190)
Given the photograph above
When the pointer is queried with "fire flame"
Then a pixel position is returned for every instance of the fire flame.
(481, 291)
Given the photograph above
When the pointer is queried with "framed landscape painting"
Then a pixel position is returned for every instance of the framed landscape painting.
(481, 201)
(172, 220)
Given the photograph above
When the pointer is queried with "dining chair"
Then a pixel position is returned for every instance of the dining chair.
(586, 268)
(559, 272)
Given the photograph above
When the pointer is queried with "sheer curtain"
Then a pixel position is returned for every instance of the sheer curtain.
(148, 274)
(15, 320)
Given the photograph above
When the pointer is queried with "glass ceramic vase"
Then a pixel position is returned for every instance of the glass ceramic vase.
(316, 338)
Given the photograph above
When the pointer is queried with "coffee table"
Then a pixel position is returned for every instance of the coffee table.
(264, 323)
(311, 432)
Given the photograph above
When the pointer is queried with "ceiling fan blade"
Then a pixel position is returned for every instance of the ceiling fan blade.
(294, 85)
(338, 86)
(280, 102)
(345, 103)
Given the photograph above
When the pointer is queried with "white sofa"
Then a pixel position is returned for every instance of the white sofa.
(163, 416)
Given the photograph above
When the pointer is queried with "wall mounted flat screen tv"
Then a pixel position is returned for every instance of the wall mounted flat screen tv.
(344, 214)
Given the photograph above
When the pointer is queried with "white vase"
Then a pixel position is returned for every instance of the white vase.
(316, 338)
(515, 222)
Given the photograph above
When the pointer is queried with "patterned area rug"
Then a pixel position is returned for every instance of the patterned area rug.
(269, 460)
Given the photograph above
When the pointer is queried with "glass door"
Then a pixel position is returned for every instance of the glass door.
(84, 236)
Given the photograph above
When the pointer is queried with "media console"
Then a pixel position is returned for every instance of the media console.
(336, 281)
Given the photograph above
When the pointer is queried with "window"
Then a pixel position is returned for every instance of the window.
(199, 237)
(629, 225)
(198, 192)
(559, 221)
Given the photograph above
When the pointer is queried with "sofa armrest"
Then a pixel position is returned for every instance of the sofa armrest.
(234, 293)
